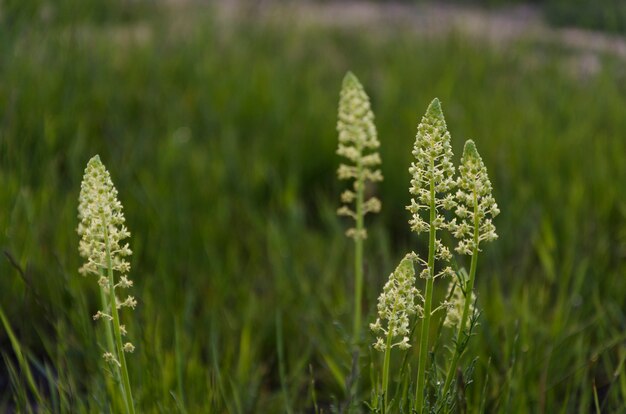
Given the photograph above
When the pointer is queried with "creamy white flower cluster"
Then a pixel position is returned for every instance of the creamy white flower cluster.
(102, 232)
(476, 206)
(358, 143)
(456, 303)
(101, 224)
(432, 173)
(397, 302)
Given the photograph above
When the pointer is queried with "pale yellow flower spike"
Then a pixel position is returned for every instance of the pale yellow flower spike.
(396, 304)
(475, 209)
(476, 206)
(102, 233)
(358, 144)
(101, 217)
(432, 172)
(398, 301)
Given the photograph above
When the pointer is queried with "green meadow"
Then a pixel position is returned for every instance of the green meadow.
(220, 136)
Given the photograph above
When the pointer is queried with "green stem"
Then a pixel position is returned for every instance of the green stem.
(469, 288)
(109, 342)
(109, 330)
(128, 396)
(358, 260)
(428, 300)
(281, 362)
(386, 371)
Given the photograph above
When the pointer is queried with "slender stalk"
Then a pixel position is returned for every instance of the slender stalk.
(396, 304)
(358, 260)
(128, 396)
(466, 306)
(281, 362)
(110, 345)
(179, 366)
(109, 329)
(596, 402)
(428, 300)
(386, 371)
(22, 361)
(358, 144)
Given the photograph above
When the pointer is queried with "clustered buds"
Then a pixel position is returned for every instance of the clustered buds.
(110, 358)
(436, 193)
(358, 143)
(101, 223)
(432, 171)
(396, 304)
(456, 303)
(103, 232)
(476, 206)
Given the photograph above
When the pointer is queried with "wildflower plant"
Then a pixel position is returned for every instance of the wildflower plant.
(432, 186)
(475, 210)
(441, 201)
(358, 145)
(398, 301)
(102, 245)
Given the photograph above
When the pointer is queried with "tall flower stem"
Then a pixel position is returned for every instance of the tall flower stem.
(469, 288)
(102, 230)
(358, 144)
(358, 262)
(396, 304)
(386, 364)
(431, 183)
(476, 208)
(128, 395)
(110, 343)
(428, 301)
(109, 329)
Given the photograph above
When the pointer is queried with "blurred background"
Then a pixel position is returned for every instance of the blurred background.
(217, 122)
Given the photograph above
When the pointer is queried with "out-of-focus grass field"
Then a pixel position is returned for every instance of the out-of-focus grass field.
(220, 138)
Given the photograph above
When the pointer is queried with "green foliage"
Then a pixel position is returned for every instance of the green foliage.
(222, 140)
(23, 13)
(603, 15)
(609, 15)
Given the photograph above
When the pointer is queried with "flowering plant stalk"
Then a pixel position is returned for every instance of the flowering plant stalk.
(475, 209)
(102, 232)
(358, 144)
(431, 185)
(436, 194)
(396, 304)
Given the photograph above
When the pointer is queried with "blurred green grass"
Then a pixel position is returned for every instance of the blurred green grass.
(220, 140)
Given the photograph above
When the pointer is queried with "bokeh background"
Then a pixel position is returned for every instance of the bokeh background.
(217, 123)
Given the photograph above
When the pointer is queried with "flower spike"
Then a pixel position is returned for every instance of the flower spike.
(102, 245)
(101, 221)
(432, 171)
(476, 206)
(358, 144)
(396, 304)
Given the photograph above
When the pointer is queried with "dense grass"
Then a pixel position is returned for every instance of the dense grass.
(603, 15)
(221, 142)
